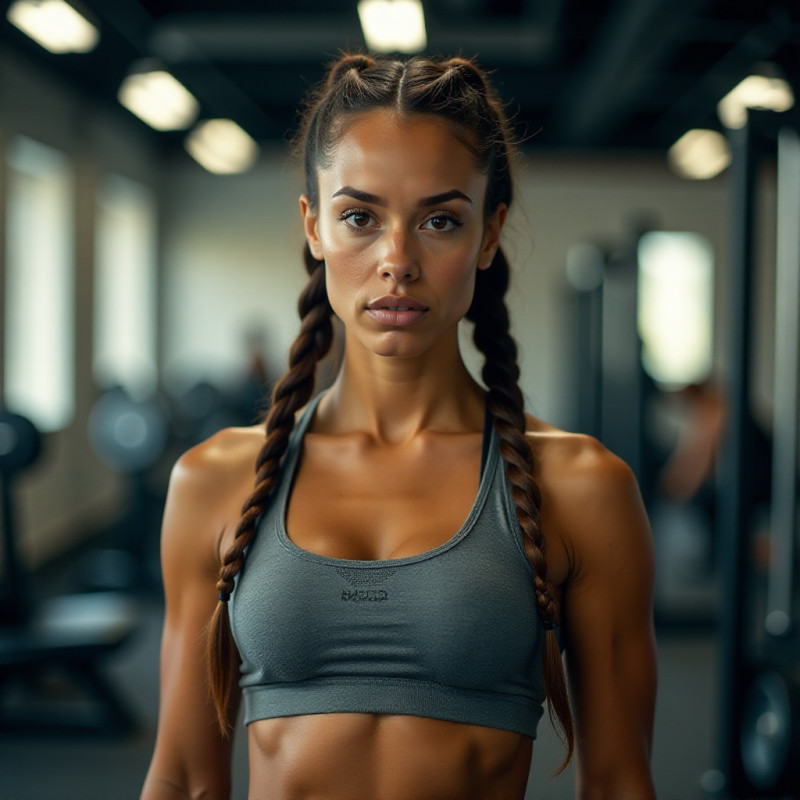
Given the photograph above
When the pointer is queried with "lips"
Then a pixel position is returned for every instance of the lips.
(396, 311)
(393, 302)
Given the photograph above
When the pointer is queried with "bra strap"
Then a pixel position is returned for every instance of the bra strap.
(488, 431)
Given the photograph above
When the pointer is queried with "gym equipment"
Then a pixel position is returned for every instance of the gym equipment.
(770, 734)
(759, 683)
(62, 637)
(126, 435)
(20, 446)
(585, 271)
(770, 726)
(130, 437)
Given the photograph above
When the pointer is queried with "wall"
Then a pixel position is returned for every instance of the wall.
(68, 492)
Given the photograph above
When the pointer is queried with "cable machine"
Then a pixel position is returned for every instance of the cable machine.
(759, 704)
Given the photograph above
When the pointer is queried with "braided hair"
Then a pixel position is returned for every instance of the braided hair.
(456, 90)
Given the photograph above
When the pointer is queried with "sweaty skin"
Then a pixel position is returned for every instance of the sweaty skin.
(390, 468)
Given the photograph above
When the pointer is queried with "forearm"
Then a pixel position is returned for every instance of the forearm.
(161, 788)
(633, 784)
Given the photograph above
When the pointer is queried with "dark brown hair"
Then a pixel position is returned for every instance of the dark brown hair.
(459, 93)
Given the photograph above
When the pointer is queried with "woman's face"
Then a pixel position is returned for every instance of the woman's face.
(401, 227)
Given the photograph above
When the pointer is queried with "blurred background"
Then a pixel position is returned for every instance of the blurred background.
(150, 263)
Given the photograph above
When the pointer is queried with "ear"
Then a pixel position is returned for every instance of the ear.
(310, 227)
(491, 235)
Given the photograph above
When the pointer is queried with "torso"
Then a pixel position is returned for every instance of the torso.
(350, 500)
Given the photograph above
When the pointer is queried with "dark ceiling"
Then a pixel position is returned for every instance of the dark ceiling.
(581, 74)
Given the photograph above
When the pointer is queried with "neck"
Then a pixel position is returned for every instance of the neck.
(394, 399)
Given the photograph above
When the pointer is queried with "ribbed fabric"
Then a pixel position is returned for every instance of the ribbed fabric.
(451, 633)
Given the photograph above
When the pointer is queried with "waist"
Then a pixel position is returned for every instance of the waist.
(385, 757)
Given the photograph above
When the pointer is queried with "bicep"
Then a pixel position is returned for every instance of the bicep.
(610, 647)
(190, 750)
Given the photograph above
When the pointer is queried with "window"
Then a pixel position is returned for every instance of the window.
(39, 367)
(675, 306)
(125, 309)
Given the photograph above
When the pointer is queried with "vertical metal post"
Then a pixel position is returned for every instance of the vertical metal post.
(783, 523)
(735, 499)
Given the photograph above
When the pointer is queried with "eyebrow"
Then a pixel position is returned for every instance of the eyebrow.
(433, 200)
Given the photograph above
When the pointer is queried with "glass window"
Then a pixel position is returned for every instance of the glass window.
(675, 306)
(125, 287)
(39, 367)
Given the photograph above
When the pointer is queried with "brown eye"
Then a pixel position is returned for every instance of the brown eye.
(442, 222)
(357, 219)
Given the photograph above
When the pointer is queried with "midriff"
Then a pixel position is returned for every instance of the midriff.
(384, 757)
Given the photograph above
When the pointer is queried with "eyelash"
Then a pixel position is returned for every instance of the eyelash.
(350, 212)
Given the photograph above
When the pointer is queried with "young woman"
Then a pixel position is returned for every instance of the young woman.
(392, 586)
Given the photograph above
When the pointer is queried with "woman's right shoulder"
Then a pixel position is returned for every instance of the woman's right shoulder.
(208, 485)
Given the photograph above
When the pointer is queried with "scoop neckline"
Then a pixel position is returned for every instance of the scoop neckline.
(381, 563)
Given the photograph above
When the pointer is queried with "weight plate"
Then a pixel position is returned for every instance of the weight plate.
(127, 435)
(766, 731)
(20, 442)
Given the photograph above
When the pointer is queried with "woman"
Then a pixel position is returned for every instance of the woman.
(394, 580)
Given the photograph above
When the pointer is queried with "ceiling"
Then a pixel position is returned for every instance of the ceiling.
(580, 74)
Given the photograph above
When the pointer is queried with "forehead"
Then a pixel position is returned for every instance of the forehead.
(417, 156)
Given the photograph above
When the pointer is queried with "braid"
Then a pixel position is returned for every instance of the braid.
(291, 393)
(505, 402)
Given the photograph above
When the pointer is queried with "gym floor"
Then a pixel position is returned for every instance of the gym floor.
(70, 767)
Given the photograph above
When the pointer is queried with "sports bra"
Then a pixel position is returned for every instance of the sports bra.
(451, 633)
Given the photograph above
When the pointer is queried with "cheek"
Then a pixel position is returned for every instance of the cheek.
(344, 276)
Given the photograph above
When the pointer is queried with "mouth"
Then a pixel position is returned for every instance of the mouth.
(396, 303)
(396, 311)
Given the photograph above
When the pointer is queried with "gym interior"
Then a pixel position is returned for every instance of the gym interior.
(148, 286)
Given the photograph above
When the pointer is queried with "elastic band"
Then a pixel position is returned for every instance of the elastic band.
(224, 597)
(549, 625)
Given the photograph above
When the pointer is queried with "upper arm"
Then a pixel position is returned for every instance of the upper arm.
(190, 752)
(608, 626)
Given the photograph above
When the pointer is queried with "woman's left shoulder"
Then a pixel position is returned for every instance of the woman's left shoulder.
(576, 462)
(590, 496)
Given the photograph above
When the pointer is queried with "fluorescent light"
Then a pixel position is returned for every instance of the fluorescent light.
(760, 90)
(158, 99)
(54, 24)
(699, 154)
(222, 147)
(393, 25)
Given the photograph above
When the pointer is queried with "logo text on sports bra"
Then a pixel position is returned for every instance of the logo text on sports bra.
(364, 595)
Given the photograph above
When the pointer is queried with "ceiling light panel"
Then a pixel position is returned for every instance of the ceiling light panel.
(221, 147)
(158, 99)
(393, 25)
(766, 92)
(54, 24)
(699, 154)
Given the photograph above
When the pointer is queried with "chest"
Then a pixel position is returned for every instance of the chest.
(352, 499)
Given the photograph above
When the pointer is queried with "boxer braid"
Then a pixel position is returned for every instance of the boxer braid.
(291, 393)
(505, 402)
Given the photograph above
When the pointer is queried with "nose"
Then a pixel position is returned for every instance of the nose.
(399, 260)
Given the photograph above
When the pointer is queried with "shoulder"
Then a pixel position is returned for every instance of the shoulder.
(220, 459)
(208, 485)
(590, 496)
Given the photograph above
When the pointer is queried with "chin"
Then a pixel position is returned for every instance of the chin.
(396, 344)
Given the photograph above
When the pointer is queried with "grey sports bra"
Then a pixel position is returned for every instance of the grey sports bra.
(451, 633)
